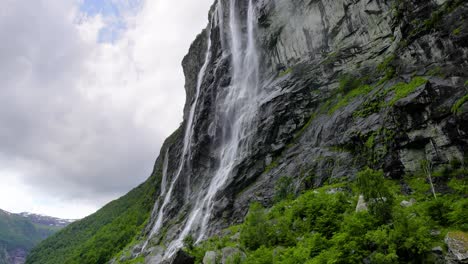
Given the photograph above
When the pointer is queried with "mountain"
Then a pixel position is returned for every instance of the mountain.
(47, 220)
(315, 131)
(19, 233)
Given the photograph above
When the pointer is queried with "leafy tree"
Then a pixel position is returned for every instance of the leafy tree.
(372, 185)
(255, 230)
(426, 166)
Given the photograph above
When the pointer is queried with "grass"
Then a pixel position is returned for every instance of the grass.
(458, 104)
(402, 89)
(345, 100)
(459, 235)
(385, 65)
(285, 72)
(456, 31)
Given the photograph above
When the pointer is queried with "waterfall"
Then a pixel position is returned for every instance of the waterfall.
(187, 141)
(164, 173)
(237, 111)
(163, 188)
(241, 106)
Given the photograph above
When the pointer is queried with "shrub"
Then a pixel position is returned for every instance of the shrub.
(372, 185)
(254, 231)
(284, 189)
(348, 82)
(189, 242)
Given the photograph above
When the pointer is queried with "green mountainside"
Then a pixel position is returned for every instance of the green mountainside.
(98, 237)
(20, 234)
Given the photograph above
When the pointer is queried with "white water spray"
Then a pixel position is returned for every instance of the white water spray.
(241, 106)
(239, 109)
(164, 174)
(187, 141)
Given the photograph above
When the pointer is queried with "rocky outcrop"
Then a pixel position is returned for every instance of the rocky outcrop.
(346, 84)
(457, 243)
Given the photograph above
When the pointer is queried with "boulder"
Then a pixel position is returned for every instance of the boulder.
(457, 243)
(210, 257)
(409, 203)
(361, 205)
(229, 253)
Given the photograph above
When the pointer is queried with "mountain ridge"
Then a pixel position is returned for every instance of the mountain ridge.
(19, 233)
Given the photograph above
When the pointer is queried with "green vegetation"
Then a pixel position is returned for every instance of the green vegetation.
(284, 189)
(97, 238)
(458, 104)
(404, 89)
(20, 232)
(387, 68)
(322, 226)
(350, 96)
(285, 72)
(456, 31)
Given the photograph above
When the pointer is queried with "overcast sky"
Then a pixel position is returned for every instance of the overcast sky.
(88, 92)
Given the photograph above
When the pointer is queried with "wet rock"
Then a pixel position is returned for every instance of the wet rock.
(136, 250)
(154, 255)
(181, 257)
(457, 243)
(210, 257)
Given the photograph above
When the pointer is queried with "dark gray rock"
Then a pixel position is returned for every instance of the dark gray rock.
(182, 258)
(306, 46)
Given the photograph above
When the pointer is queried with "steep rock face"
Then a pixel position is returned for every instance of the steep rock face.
(344, 84)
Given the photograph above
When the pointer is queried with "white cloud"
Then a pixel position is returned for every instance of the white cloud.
(82, 121)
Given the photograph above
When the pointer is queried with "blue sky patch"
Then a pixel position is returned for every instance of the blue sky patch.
(113, 12)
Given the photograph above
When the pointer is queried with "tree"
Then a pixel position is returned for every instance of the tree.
(426, 166)
(254, 232)
(372, 185)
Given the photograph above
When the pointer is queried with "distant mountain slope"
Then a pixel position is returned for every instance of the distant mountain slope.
(47, 220)
(19, 233)
(98, 237)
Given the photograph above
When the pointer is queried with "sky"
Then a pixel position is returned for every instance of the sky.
(89, 90)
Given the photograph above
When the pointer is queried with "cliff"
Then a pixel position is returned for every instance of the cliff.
(313, 91)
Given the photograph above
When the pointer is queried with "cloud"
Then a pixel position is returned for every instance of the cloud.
(83, 117)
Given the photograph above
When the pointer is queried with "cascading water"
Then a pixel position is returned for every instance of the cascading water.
(187, 142)
(241, 106)
(163, 187)
(237, 113)
(164, 173)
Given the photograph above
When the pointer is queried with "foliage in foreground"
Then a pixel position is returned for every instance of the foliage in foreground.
(322, 226)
